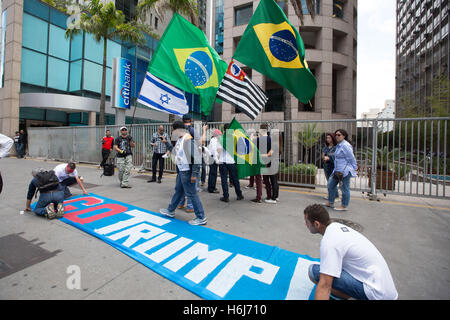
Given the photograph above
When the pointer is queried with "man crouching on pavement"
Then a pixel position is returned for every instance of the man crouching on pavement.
(51, 194)
(188, 161)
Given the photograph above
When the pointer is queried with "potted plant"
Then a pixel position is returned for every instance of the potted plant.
(298, 173)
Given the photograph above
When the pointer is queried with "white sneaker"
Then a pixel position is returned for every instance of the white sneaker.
(270, 201)
(198, 222)
(167, 213)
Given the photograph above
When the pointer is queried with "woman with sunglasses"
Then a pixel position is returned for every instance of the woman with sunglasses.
(345, 167)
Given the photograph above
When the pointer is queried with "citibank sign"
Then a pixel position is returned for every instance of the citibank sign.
(122, 83)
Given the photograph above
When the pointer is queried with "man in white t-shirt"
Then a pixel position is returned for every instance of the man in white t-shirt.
(350, 265)
(68, 175)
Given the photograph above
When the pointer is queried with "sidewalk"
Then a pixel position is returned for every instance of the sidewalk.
(412, 234)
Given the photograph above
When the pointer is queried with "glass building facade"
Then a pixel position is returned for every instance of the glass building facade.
(51, 63)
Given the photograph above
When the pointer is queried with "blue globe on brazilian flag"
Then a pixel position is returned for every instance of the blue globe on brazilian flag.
(277, 51)
(246, 155)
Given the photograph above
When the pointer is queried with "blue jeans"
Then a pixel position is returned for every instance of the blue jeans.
(55, 197)
(189, 202)
(345, 284)
(184, 186)
(345, 189)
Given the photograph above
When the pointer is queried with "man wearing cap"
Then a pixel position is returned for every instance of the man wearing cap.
(68, 175)
(50, 203)
(123, 145)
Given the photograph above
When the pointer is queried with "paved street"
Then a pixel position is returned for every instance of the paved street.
(413, 234)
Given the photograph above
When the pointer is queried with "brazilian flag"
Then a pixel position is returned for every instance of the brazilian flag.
(277, 51)
(246, 155)
(185, 59)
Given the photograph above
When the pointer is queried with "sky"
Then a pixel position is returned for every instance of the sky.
(375, 54)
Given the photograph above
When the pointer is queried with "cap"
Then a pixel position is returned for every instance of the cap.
(186, 117)
(122, 128)
(217, 132)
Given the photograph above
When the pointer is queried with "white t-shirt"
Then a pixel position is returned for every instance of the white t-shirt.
(343, 248)
(5, 145)
(224, 156)
(60, 172)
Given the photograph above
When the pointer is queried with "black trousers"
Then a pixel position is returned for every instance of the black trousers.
(157, 157)
(231, 169)
(212, 177)
(105, 155)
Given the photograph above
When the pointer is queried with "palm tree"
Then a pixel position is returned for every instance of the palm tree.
(308, 137)
(298, 8)
(185, 7)
(105, 22)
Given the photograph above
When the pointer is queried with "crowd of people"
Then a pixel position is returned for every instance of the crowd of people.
(350, 265)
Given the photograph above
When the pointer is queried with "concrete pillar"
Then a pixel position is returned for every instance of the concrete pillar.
(92, 118)
(9, 94)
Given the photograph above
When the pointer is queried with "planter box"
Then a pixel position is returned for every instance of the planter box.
(297, 178)
(385, 180)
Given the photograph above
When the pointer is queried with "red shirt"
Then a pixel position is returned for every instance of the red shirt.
(107, 143)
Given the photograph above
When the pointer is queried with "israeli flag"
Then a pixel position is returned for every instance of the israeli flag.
(162, 96)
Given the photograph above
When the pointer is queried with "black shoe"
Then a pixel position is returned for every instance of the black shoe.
(240, 198)
(224, 199)
(256, 201)
(153, 180)
(214, 191)
(159, 180)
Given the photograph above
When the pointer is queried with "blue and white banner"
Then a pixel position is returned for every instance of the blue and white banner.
(162, 96)
(209, 263)
(123, 82)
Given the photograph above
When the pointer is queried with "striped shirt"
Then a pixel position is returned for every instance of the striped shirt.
(160, 145)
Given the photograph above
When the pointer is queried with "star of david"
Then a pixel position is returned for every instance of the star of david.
(164, 98)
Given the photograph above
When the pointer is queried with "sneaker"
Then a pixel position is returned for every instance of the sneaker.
(60, 210)
(256, 200)
(189, 210)
(198, 222)
(249, 187)
(125, 186)
(329, 205)
(224, 199)
(214, 191)
(167, 213)
(270, 201)
(181, 206)
(340, 209)
(50, 209)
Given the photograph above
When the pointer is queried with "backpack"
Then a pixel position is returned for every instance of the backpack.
(46, 181)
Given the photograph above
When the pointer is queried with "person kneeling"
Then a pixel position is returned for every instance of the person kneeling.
(51, 194)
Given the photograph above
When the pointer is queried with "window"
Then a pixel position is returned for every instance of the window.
(92, 75)
(34, 67)
(75, 76)
(242, 15)
(34, 33)
(276, 100)
(58, 45)
(338, 9)
(58, 71)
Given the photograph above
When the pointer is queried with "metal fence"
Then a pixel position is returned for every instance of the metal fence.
(395, 156)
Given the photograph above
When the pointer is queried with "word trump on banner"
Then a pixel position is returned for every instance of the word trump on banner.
(210, 263)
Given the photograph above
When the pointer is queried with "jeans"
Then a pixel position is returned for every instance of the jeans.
(55, 197)
(212, 177)
(328, 169)
(345, 189)
(65, 185)
(345, 283)
(157, 157)
(189, 202)
(184, 186)
(225, 169)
